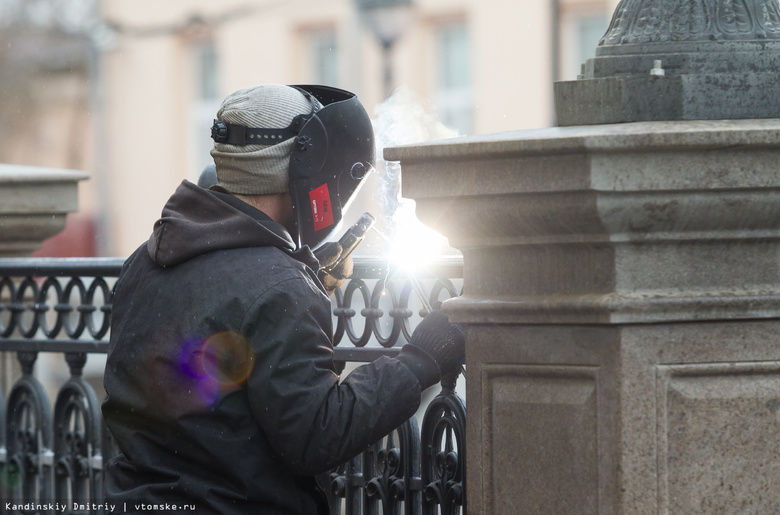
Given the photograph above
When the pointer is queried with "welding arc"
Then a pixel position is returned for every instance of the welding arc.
(416, 285)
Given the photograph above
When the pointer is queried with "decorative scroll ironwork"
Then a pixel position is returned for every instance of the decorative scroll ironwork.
(399, 312)
(64, 305)
(68, 301)
(29, 421)
(77, 439)
(388, 304)
(384, 479)
(410, 472)
(443, 452)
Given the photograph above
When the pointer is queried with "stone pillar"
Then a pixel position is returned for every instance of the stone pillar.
(622, 297)
(34, 202)
(622, 301)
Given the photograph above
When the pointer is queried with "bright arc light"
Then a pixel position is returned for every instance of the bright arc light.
(416, 246)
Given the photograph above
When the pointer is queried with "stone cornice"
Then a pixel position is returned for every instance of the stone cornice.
(617, 308)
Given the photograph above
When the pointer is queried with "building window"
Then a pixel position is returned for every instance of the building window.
(323, 57)
(588, 31)
(205, 67)
(206, 100)
(453, 76)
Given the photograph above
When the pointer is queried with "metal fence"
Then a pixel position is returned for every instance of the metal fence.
(52, 455)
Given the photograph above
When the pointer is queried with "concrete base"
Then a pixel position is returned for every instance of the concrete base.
(622, 299)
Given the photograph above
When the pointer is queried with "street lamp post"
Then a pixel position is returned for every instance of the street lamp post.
(387, 20)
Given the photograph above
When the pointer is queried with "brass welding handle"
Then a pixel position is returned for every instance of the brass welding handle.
(351, 239)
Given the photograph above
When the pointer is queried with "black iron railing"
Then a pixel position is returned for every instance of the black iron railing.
(54, 453)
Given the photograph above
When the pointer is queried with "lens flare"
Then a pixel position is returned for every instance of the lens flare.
(190, 358)
(218, 364)
(228, 358)
(208, 390)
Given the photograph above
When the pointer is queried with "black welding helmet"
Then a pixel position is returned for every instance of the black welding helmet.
(331, 158)
(332, 152)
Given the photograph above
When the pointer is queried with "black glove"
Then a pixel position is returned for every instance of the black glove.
(436, 348)
(328, 254)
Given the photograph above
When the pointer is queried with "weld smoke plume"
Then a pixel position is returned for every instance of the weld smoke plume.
(400, 120)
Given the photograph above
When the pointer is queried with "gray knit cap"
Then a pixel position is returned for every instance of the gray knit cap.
(259, 169)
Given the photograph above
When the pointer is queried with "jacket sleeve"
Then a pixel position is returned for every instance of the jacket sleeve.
(312, 419)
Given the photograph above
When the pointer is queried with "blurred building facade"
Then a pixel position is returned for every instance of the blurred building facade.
(137, 113)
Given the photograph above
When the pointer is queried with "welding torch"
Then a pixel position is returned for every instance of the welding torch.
(351, 239)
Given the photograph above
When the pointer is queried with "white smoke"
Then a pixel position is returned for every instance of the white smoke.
(402, 119)
(405, 118)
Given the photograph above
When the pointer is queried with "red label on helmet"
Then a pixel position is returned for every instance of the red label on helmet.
(321, 209)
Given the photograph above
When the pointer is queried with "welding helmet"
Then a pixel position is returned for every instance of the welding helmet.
(332, 153)
(331, 158)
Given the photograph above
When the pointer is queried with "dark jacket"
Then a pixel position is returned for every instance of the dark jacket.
(221, 389)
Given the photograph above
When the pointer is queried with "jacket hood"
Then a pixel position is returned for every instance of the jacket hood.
(194, 221)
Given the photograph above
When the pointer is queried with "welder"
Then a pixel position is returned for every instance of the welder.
(221, 387)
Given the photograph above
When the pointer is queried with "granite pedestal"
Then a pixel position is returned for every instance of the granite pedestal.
(622, 303)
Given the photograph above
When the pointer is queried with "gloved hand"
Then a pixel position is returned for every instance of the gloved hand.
(437, 347)
(328, 254)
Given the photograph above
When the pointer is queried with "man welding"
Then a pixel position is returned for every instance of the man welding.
(221, 386)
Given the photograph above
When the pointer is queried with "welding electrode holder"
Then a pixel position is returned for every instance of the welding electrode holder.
(351, 239)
